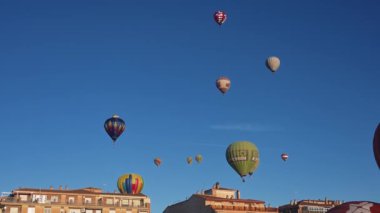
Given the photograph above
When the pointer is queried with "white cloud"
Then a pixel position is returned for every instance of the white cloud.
(245, 127)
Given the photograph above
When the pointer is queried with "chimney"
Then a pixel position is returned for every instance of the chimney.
(237, 194)
(60, 187)
(217, 185)
(51, 188)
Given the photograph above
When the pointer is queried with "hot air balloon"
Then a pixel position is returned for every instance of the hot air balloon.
(273, 63)
(376, 145)
(157, 161)
(189, 160)
(223, 84)
(114, 127)
(243, 157)
(356, 206)
(220, 17)
(199, 158)
(130, 184)
(284, 156)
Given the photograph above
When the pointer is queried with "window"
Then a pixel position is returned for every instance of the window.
(54, 198)
(31, 210)
(109, 201)
(125, 202)
(24, 197)
(112, 211)
(14, 210)
(47, 210)
(87, 200)
(71, 199)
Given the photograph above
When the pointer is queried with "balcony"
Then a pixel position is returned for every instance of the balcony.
(81, 204)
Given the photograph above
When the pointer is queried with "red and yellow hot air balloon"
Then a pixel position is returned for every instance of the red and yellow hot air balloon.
(223, 84)
(114, 127)
(157, 161)
(130, 184)
(220, 17)
(376, 145)
(284, 156)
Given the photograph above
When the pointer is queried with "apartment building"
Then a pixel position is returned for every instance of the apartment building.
(84, 200)
(309, 206)
(219, 200)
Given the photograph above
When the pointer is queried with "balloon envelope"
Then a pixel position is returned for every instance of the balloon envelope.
(199, 158)
(273, 63)
(356, 206)
(114, 127)
(189, 160)
(243, 157)
(157, 161)
(220, 17)
(130, 184)
(284, 156)
(223, 84)
(376, 145)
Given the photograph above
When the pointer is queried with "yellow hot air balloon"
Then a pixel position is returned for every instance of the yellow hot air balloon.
(199, 158)
(273, 63)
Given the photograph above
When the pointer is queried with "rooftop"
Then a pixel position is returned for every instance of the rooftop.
(88, 190)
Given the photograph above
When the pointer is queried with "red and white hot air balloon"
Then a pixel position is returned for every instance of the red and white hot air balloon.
(284, 156)
(223, 84)
(220, 17)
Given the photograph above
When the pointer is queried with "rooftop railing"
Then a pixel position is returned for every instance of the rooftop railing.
(4, 200)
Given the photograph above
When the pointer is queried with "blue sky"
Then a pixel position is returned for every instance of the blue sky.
(67, 66)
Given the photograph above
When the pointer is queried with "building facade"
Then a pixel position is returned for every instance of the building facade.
(309, 206)
(219, 200)
(85, 200)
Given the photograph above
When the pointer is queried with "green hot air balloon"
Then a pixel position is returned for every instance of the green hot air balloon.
(243, 157)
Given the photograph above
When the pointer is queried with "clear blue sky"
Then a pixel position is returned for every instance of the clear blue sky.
(67, 66)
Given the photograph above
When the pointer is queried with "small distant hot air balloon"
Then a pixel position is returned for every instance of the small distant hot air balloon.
(114, 127)
(243, 157)
(273, 63)
(284, 156)
(189, 160)
(356, 207)
(220, 17)
(199, 158)
(376, 145)
(157, 161)
(223, 84)
(130, 184)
